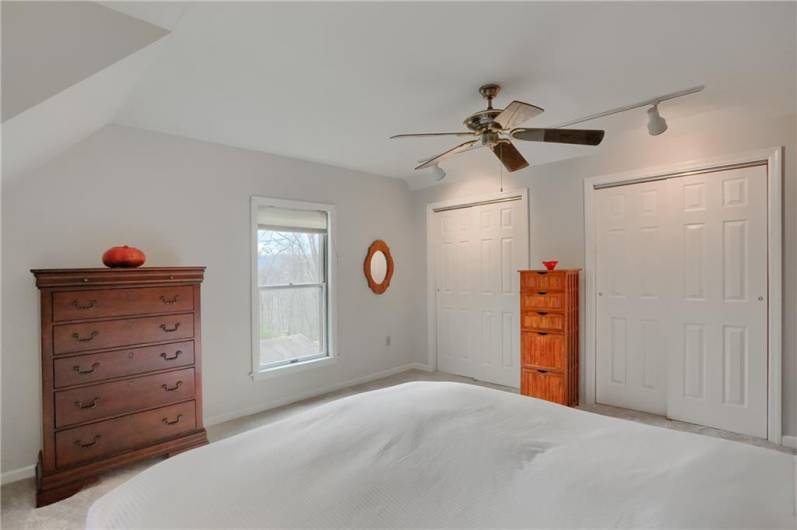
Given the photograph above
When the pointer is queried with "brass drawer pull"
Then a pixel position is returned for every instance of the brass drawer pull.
(167, 388)
(78, 370)
(542, 313)
(172, 300)
(175, 422)
(173, 357)
(89, 305)
(88, 444)
(85, 406)
(91, 336)
(168, 329)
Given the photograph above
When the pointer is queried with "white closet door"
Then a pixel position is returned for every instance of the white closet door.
(479, 250)
(718, 366)
(633, 296)
(682, 283)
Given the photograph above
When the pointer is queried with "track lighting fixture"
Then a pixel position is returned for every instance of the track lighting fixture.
(438, 172)
(656, 124)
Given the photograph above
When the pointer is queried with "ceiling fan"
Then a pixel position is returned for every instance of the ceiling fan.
(495, 128)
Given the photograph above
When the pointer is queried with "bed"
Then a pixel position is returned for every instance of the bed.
(430, 454)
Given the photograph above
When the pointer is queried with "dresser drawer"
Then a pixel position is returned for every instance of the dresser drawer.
(543, 350)
(81, 444)
(543, 320)
(69, 338)
(106, 365)
(550, 281)
(542, 300)
(543, 385)
(75, 305)
(93, 402)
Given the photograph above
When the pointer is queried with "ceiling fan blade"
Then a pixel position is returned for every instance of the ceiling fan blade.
(560, 136)
(509, 156)
(420, 135)
(516, 113)
(461, 148)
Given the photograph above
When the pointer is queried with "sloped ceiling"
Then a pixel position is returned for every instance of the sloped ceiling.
(67, 67)
(331, 82)
(50, 46)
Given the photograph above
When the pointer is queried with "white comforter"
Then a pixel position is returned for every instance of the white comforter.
(456, 455)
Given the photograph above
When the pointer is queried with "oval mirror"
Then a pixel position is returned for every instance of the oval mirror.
(378, 266)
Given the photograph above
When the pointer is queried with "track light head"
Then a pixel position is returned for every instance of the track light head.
(438, 172)
(656, 124)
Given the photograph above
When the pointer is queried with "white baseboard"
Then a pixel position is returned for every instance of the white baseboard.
(789, 441)
(420, 366)
(261, 407)
(14, 475)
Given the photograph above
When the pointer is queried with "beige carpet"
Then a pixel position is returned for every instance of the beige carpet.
(18, 510)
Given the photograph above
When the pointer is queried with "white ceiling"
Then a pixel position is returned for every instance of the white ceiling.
(331, 82)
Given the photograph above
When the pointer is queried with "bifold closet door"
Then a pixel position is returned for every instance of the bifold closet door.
(681, 308)
(633, 292)
(478, 251)
(718, 363)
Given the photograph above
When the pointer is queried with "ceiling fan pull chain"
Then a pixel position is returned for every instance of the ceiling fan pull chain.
(501, 168)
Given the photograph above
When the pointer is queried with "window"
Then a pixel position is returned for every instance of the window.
(291, 274)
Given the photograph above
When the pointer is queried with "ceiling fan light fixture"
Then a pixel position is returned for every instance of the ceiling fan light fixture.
(656, 124)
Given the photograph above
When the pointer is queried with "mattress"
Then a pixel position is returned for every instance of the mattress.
(451, 455)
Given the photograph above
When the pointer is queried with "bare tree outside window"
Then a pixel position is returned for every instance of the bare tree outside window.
(290, 271)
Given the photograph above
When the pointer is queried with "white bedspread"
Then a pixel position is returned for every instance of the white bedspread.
(456, 455)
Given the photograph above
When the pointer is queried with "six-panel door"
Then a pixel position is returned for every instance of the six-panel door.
(681, 307)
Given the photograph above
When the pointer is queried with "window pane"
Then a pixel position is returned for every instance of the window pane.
(290, 323)
(289, 257)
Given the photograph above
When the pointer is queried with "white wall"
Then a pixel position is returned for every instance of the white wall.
(186, 202)
(556, 202)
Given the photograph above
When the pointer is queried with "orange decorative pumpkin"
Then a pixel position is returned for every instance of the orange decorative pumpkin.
(125, 256)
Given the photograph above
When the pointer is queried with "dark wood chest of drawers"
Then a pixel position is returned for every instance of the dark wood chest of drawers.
(121, 371)
(549, 335)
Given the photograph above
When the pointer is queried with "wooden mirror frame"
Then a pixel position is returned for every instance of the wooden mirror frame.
(375, 247)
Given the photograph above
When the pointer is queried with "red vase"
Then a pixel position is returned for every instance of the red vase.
(127, 257)
(550, 265)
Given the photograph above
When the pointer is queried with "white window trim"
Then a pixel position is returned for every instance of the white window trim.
(259, 373)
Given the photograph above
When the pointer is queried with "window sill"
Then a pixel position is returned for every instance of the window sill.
(286, 369)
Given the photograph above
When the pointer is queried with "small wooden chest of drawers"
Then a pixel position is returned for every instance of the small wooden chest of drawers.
(121, 371)
(549, 335)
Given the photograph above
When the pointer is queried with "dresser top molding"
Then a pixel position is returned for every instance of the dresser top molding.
(106, 276)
